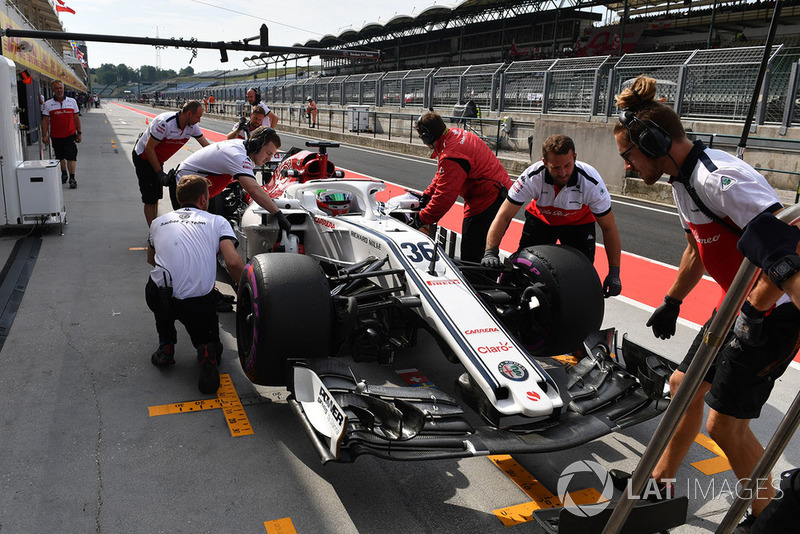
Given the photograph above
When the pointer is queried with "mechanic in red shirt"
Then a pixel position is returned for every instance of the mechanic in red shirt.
(467, 167)
(717, 195)
(61, 122)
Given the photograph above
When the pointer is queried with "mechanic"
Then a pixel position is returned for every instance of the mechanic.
(254, 99)
(716, 195)
(182, 248)
(773, 246)
(244, 128)
(466, 167)
(566, 197)
(311, 112)
(166, 133)
(234, 159)
(61, 123)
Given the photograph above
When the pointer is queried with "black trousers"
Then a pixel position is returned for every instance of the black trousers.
(475, 228)
(536, 232)
(197, 314)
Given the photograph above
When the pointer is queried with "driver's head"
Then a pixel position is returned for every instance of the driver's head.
(193, 190)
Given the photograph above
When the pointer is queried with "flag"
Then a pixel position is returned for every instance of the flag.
(63, 7)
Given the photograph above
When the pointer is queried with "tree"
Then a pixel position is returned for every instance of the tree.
(106, 74)
(188, 71)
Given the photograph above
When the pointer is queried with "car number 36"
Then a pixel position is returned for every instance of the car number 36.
(417, 252)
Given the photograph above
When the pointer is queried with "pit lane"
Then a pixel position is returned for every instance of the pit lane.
(80, 452)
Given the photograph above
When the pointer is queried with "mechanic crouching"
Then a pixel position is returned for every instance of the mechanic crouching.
(466, 167)
(182, 248)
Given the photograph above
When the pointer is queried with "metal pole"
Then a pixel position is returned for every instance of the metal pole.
(786, 429)
(773, 26)
(712, 340)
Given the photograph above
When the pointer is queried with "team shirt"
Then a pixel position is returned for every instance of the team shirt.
(186, 242)
(266, 121)
(62, 116)
(164, 128)
(221, 163)
(583, 198)
(733, 191)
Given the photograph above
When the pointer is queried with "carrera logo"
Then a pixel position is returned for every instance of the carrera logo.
(481, 331)
(443, 282)
(502, 347)
(323, 222)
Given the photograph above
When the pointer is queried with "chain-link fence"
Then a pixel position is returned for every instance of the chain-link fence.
(701, 84)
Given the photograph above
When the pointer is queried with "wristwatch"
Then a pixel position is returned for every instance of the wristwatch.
(783, 269)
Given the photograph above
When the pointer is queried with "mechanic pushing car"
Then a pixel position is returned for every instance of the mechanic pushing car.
(466, 167)
(234, 159)
(182, 248)
(565, 197)
(717, 195)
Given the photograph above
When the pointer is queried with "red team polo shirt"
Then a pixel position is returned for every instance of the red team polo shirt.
(62, 120)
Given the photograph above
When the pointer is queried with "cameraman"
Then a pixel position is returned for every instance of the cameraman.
(243, 128)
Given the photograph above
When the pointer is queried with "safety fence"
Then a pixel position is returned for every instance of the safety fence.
(713, 84)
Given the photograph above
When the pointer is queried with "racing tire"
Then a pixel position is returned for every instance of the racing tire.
(568, 284)
(283, 311)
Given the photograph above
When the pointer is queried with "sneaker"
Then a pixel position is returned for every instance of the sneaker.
(209, 375)
(165, 355)
(73, 184)
(745, 526)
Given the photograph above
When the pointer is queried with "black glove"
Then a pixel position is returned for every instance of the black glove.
(283, 222)
(162, 178)
(748, 325)
(665, 318)
(243, 122)
(491, 258)
(767, 240)
(612, 285)
(423, 201)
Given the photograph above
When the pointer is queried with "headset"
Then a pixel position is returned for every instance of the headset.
(653, 141)
(254, 144)
(424, 133)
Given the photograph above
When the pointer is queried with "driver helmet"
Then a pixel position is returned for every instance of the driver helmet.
(333, 202)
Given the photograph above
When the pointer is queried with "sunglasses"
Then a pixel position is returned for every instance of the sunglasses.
(625, 154)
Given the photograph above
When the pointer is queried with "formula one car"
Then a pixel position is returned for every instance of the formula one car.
(355, 279)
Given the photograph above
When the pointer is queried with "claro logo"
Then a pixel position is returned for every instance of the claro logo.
(502, 347)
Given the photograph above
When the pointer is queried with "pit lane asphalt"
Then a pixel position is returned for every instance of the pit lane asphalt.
(79, 453)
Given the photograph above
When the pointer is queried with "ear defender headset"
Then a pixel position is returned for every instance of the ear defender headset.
(257, 94)
(424, 133)
(653, 141)
(254, 144)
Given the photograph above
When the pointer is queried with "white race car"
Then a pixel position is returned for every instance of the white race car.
(355, 279)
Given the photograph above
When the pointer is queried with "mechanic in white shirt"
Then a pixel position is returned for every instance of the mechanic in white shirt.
(164, 136)
(183, 247)
(254, 99)
(717, 195)
(565, 197)
(234, 159)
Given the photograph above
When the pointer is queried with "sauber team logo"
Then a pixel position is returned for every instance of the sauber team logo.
(513, 370)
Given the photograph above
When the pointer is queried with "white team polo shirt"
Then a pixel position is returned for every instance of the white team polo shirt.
(164, 128)
(186, 242)
(578, 202)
